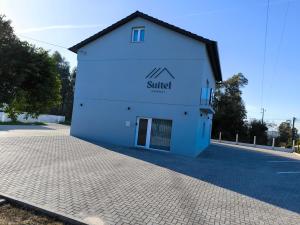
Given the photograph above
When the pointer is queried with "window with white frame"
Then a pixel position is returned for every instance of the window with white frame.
(138, 34)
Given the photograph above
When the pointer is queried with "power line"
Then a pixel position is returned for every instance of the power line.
(45, 42)
(279, 45)
(281, 36)
(275, 119)
(264, 57)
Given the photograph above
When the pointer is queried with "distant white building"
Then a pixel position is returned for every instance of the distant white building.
(273, 133)
(41, 118)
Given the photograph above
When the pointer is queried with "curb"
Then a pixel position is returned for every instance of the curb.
(2, 201)
(249, 147)
(296, 154)
(43, 210)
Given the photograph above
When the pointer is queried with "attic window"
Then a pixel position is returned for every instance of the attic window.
(138, 34)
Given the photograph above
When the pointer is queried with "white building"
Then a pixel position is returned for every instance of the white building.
(145, 83)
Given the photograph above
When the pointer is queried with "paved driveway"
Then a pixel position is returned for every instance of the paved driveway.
(32, 130)
(112, 185)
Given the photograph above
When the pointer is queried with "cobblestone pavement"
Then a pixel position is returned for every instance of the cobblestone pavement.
(225, 185)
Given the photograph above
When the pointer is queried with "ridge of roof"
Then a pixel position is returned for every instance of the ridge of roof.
(211, 46)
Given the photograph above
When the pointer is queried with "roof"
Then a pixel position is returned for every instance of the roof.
(211, 46)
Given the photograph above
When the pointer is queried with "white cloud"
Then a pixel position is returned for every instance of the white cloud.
(57, 27)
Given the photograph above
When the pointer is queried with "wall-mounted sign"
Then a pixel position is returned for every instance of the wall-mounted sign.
(159, 80)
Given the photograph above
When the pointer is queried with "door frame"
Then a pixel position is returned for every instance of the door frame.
(148, 134)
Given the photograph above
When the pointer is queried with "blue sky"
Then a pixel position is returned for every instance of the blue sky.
(237, 26)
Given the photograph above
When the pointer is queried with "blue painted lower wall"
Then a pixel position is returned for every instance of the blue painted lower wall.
(105, 121)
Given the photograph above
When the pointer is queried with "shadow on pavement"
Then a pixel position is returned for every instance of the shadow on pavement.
(248, 172)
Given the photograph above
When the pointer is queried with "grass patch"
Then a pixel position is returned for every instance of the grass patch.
(21, 123)
(12, 215)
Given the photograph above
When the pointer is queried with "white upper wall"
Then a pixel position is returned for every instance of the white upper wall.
(159, 42)
(114, 68)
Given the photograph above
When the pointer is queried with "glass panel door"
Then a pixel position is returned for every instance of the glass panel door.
(142, 132)
(161, 134)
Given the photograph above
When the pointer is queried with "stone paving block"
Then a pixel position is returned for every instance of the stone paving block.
(116, 185)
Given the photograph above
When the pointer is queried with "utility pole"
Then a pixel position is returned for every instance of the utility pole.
(263, 110)
(293, 128)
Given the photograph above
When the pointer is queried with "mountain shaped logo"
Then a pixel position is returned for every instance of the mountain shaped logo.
(159, 86)
(156, 72)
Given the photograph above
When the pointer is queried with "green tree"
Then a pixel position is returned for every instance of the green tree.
(11, 52)
(67, 78)
(230, 108)
(71, 94)
(285, 134)
(258, 129)
(28, 78)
